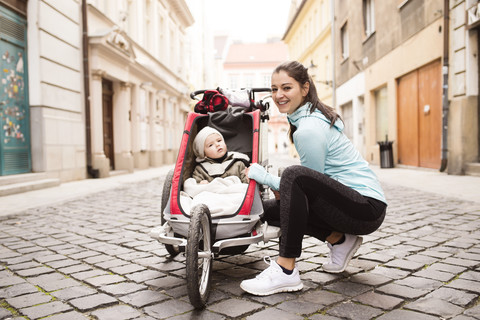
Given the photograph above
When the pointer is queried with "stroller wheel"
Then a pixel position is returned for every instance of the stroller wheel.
(199, 256)
(167, 186)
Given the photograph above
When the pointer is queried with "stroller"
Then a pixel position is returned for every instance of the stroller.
(196, 232)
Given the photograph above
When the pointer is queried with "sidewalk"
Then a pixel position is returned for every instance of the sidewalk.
(71, 190)
(461, 187)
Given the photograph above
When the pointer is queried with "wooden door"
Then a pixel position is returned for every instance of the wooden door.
(107, 93)
(430, 115)
(419, 111)
(407, 117)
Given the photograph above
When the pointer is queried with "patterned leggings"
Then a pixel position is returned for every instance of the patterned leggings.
(313, 204)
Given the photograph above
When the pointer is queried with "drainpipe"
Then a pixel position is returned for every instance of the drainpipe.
(445, 102)
(332, 31)
(94, 173)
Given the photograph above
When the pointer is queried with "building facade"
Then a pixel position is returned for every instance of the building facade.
(309, 41)
(91, 88)
(42, 110)
(138, 88)
(389, 72)
(463, 75)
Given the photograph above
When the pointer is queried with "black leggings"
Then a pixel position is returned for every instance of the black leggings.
(313, 204)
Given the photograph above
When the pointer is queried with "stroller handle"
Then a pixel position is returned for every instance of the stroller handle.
(251, 90)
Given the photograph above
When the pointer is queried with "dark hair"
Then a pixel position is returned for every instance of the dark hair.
(297, 71)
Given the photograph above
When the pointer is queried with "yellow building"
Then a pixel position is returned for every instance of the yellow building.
(308, 37)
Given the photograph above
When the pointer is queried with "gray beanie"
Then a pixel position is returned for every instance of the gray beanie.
(199, 142)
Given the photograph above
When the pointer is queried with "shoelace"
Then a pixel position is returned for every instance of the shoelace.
(269, 271)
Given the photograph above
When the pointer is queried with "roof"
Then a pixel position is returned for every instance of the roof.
(273, 52)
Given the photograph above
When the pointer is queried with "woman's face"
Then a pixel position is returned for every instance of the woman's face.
(215, 146)
(287, 93)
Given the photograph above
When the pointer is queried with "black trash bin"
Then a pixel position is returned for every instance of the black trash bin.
(386, 153)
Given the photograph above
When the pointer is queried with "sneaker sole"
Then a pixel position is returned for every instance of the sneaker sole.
(350, 255)
(277, 290)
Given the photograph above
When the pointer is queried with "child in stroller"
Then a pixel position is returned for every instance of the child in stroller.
(214, 159)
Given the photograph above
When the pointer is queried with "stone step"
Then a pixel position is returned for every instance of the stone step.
(473, 169)
(24, 177)
(24, 186)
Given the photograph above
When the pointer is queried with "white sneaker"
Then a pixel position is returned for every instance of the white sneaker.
(272, 280)
(341, 254)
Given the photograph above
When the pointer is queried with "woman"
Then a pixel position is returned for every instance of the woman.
(333, 195)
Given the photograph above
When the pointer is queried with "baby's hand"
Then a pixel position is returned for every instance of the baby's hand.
(204, 182)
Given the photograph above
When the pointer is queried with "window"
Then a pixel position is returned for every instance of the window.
(233, 81)
(249, 80)
(368, 17)
(381, 114)
(344, 41)
(266, 80)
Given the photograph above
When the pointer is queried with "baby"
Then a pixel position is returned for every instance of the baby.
(214, 160)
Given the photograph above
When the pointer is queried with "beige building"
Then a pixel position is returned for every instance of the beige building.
(309, 41)
(42, 110)
(138, 83)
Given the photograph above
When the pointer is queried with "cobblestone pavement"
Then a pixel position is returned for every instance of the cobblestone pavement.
(92, 258)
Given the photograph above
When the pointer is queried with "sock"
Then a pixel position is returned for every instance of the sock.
(342, 240)
(286, 271)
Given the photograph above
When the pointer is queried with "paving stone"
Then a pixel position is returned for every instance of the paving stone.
(471, 275)
(72, 315)
(28, 300)
(129, 268)
(166, 282)
(460, 298)
(121, 289)
(197, 315)
(474, 312)
(168, 309)
(435, 275)
(144, 298)
(23, 266)
(447, 268)
(73, 292)
(10, 280)
(235, 307)
(419, 283)
(145, 275)
(401, 291)
(349, 289)
(370, 279)
(467, 285)
(299, 307)
(380, 301)
(349, 310)
(121, 312)
(74, 269)
(405, 265)
(35, 271)
(435, 306)
(4, 313)
(104, 279)
(46, 309)
(274, 313)
(94, 301)
(17, 290)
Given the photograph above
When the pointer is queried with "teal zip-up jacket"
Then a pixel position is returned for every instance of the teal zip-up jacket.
(327, 150)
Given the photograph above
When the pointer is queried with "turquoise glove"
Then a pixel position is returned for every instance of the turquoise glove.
(259, 174)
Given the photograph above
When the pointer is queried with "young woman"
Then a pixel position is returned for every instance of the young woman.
(333, 195)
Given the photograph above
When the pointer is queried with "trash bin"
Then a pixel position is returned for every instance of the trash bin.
(386, 153)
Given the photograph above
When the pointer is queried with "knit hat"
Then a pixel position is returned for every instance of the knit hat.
(199, 142)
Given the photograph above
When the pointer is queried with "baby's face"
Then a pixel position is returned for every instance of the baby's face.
(215, 147)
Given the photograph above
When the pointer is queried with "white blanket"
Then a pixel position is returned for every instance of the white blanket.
(223, 196)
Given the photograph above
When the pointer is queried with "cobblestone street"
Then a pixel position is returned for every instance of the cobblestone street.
(92, 258)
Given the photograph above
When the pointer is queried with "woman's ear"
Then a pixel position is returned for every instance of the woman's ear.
(305, 89)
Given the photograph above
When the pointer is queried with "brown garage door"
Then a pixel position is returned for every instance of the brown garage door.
(419, 117)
